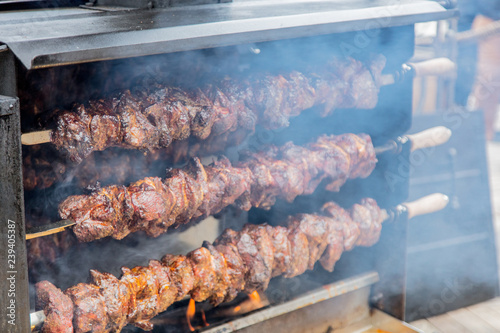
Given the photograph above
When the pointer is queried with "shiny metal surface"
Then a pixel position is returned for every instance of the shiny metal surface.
(14, 312)
(48, 38)
(307, 300)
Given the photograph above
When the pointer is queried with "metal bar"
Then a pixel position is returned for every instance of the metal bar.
(56, 227)
(37, 318)
(14, 309)
(13, 259)
(390, 252)
(14, 312)
(390, 257)
(8, 85)
(390, 146)
(316, 296)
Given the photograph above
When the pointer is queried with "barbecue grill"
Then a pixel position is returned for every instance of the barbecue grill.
(49, 43)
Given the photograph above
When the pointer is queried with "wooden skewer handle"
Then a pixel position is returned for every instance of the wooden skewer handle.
(438, 66)
(426, 205)
(431, 137)
(35, 138)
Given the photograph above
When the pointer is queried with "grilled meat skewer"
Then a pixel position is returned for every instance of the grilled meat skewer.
(154, 118)
(195, 191)
(282, 172)
(237, 261)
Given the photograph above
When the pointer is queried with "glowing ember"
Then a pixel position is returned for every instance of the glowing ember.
(190, 313)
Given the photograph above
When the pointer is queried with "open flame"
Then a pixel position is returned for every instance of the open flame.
(191, 310)
(253, 302)
(255, 297)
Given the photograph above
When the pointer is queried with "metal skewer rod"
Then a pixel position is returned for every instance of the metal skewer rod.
(437, 67)
(36, 318)
(432, 137)
(55, 228)
(425, 205)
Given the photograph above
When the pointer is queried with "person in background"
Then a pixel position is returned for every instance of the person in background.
(479, 64)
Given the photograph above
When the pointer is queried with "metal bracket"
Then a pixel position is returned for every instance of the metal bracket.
(400, 212)
(8, 105)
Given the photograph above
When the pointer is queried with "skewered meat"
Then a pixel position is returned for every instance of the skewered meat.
(58, 308)
(237, 261)
(155, 117)
(42, 168)
(196, 191)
